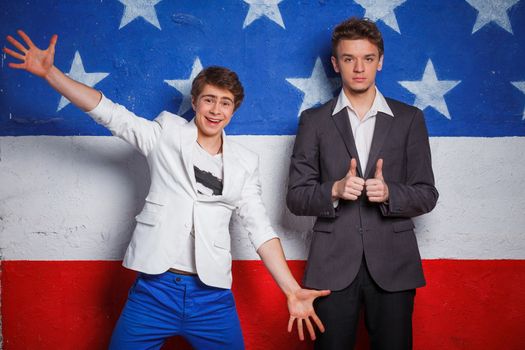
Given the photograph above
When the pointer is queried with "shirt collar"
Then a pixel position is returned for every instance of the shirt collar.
(379, 104)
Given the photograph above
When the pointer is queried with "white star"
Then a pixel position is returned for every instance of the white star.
(184, 86)
(140, 8)
(78, 73)
(492, 11)
(521, 86)
(382, 10)
(259, 8)
(429, 91)
(317, 89)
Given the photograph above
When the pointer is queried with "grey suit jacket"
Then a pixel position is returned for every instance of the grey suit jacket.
(384, 233)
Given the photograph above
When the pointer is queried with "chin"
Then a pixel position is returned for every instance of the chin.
(359, 90)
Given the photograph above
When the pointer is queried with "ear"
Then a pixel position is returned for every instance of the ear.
(335, 64)
(380, 65)
(193, 104)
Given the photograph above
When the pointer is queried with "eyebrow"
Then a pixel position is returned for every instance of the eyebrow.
(215, 97)
(366, 56)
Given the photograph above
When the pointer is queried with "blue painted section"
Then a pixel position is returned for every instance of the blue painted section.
(139, 57)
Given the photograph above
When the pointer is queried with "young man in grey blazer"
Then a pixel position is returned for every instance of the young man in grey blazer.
(181, 243)
(361, 164)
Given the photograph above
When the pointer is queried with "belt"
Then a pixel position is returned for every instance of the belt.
(181, 272)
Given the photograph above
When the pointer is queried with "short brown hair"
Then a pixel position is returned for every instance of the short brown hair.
(357, 28)
(220, 77)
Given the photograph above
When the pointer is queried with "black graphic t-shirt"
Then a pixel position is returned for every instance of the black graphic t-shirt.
(208, 171)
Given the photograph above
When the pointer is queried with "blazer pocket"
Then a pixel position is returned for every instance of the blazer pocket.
(156, 198)
(324, 225)
(401, 226)
(153, 209)
(148, 218)
(222, 244)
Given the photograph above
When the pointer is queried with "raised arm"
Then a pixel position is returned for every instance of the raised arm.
(40, 63)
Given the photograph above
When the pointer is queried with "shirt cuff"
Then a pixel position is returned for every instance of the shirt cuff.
(103, 111)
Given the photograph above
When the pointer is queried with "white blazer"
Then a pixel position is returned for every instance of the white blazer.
(172, 206)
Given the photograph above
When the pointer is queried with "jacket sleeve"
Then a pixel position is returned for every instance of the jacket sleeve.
(417, 195)
(307, 195)
(139, 132)
(252, 212)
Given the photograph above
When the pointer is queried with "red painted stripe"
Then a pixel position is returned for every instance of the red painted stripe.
(74, 304)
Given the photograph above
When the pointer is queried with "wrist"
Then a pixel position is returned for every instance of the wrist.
(51, 74)
(335, 194)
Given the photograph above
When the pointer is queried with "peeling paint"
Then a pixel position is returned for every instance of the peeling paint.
(28, 120)
(186, 19)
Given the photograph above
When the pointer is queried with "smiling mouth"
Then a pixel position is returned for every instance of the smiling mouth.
(213, 120)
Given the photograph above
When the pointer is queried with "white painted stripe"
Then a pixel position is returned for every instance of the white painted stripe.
(65, 198)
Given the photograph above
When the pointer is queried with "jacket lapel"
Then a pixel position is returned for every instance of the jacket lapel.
(188, 139)
(382, 127)
(228, 165)
(342, 122)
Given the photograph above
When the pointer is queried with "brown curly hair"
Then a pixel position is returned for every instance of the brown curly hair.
(220, 77)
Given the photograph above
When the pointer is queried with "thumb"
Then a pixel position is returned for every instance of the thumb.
(379, 169)
(353, 168)
(52, 43)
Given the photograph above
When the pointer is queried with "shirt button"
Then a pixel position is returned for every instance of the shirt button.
(178, 279)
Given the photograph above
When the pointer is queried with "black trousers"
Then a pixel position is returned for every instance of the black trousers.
(388, 316)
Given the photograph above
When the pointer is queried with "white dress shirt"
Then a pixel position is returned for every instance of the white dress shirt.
(363, 129)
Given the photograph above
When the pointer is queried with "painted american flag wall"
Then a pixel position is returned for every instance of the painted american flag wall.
(69, 190)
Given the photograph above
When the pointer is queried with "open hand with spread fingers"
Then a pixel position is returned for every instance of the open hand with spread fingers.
(300, 306)
(35, 61)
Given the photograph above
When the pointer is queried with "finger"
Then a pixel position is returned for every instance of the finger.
(349, 196)
(352, 192)
(356, 186)
(25, 38)
(300, 328)
(16, 43)
(379, 169)
(310, 328)
(323, 293)
(290, 324)
(17, 65)
(353, 168)
(378, 199)
(358, 181)
(14, 54)
(318, 322)
(52, 43)
(371, 182)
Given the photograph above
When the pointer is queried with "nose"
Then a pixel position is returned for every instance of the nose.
(359, 66)
(215, 108)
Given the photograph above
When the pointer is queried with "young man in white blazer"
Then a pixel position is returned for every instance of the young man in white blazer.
(181, 243)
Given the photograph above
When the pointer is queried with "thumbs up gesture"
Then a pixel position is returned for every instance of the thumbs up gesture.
(376, 188)
(350, 187)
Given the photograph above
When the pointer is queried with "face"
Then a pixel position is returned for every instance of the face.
(358, 62)
(213, 110)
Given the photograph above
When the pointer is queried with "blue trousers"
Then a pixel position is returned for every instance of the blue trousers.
(169, 304)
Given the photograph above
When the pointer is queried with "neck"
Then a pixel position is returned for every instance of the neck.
(361, 100)
(211, 144)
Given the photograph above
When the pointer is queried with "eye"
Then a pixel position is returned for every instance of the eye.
(208, 100)
(348, 59)
(226, 104)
